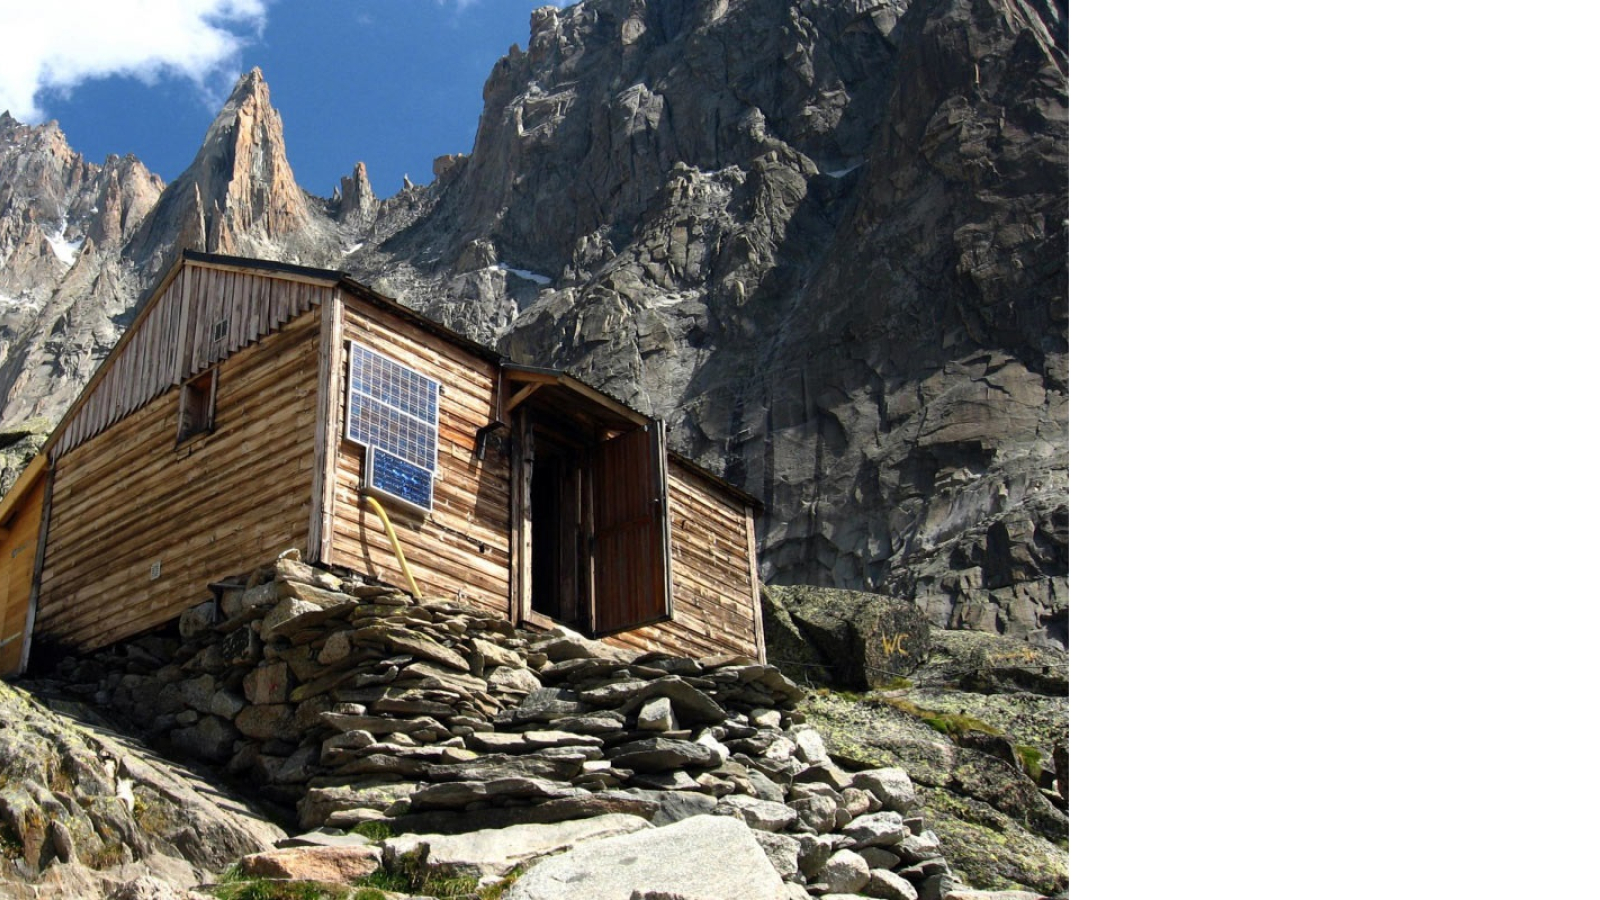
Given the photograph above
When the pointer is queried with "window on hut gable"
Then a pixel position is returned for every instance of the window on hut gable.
(197, 405)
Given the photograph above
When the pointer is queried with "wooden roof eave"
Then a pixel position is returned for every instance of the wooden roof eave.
(721, 483)
(144, 305)
(545, 378)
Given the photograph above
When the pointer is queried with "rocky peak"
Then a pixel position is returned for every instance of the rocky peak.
(53, 203)
(356, 202)
(243, 171)
(239, 194)
(41, 177)
(126, 192)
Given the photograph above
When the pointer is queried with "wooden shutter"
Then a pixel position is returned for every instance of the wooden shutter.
(630, 559)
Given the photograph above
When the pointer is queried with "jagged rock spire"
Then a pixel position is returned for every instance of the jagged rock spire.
(243, 172)
(240, 185)
(356, 200)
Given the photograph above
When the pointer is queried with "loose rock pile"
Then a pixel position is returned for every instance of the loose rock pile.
(355, 704)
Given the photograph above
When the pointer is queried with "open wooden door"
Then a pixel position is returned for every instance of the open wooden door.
(630, 558)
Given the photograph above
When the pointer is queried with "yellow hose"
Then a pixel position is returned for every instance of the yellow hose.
(394, 542)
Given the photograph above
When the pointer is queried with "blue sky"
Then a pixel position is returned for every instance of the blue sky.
(393, 83)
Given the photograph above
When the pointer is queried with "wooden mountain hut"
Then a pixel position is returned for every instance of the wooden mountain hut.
(255, 406)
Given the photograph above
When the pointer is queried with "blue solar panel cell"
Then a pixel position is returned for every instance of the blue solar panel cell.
(400, 479)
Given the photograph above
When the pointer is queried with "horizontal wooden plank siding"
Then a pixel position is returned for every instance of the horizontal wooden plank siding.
(205, 315)
(217, 505)
(714, 609)
(462, 550)
(17, 550)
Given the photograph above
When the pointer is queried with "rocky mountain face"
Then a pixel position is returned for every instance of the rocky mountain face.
(84, 808)
(978, 721)
(826, 242)
(63, 290)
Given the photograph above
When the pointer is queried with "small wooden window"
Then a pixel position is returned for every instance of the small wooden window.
(197, 405)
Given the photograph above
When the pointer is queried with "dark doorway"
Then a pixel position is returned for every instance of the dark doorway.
(597, 524)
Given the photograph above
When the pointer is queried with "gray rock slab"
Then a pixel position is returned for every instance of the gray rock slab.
(542, 705)
(760, 814)
(661, 754)
(817, 813)
(411, 642)
(513, 680)
(495, 655)
(845, 872)
(886, 885)
(500, 765)
(810, 746)
(876, 830)
(783, 852)
(320, 803)
(879, 858)
(675, 806)
(705, 857)
(656, 715)
(892, 787)
(456, 794)
(582, 806)
(689, 703)
(491, 853)
(324, 837)
(599, 722)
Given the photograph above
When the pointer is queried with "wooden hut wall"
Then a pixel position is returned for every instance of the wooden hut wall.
(18, 552)
(462, 549)
(219, 503)
(205, 314)
(715, 608)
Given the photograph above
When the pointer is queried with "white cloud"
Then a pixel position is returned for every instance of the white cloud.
(55, 45)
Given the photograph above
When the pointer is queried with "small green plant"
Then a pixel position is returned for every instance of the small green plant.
(447, 886)
(847, 696)
(265, 889)
(411, 875)
(374, 831)
(385, 880)
(1032, 759)
(497, 890)
(942, 722)
(897, 683)
(108, 854)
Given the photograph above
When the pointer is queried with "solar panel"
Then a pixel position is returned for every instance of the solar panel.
(393, 411)
(399, 479)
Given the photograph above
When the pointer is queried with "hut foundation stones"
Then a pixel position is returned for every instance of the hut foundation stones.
(350, 702)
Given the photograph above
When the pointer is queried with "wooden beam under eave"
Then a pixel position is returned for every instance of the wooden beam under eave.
(519, 396)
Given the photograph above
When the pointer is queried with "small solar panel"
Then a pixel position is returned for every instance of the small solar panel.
(393, 411)
(391, 475)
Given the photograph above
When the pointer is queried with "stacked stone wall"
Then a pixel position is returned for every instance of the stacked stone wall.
(351, 702)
